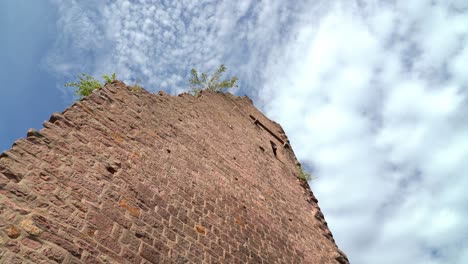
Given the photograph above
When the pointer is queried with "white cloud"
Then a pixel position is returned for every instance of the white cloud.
(372, 94)
(159, 42)
(380, 119)
(80, 37)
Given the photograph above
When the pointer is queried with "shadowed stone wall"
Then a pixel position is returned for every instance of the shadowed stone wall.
(125, 176)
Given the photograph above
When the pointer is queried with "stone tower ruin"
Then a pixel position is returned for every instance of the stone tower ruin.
(126, 176)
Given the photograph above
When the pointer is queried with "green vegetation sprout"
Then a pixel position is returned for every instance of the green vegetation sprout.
(198, 83)
(109, 79)
(87, 84)
(136, 87)
(304, 175)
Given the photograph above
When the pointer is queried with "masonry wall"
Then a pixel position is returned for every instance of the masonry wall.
(125, 176)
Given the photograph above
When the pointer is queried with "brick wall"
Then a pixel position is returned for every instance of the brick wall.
(125, 176)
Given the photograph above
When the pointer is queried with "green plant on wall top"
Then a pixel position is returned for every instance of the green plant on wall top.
(136, 87)
(87, 84)
(304, 175)
(198, 83)
(110, 79)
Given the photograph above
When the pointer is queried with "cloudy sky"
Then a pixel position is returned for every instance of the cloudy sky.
(372, 94)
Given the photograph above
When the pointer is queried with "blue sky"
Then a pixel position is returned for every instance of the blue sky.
(29, 95)
(373, 95)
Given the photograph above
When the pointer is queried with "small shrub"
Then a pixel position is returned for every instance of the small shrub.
(109, 79)
(304, 175)
(87, 84)
(213, 84)
(136, 87)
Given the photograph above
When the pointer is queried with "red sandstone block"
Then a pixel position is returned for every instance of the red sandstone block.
(145, 194)
(138, 223)
(3, 180)
(19, 207)
(54, 254)
(110, 254)
(186, 195)
(45, 223)
(150, 253)
(45, 188)
(35, 257)
(17, 191)
(116, 231)
(133, 243)
(163, 213)
(134, 208)
(113, 195)
(254, 244)
(12, 246)
(209, 207)
(217, 249)
(179, 232)
(130, 256)
(184, 217)
(176, 223)
(175, 257)
(190, 232)
(216, 231)
(182, 245)
(143, 236)
(169, 234)
(204, 241)
(88, 245)
(64, 214)
(195, 258)
(254, 258)
(108, 241)
(228, 258)
(161, 246)
(159, 201)
(80, 215)
(175, 252)
(197, 249)
(151, 218)
(243, 257)
(172, 210)
(13, 259)
(210, 220)
(30, 243)
(73, 249)
(90, 260)
(101, 221)
(225, 240)
(196, 213)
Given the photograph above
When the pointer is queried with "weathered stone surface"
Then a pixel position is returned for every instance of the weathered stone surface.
(54, 254)
(30, 228)
(125, 176)
(30, 243)
(13, 231)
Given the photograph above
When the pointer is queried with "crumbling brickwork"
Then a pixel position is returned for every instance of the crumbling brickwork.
(126, 176)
